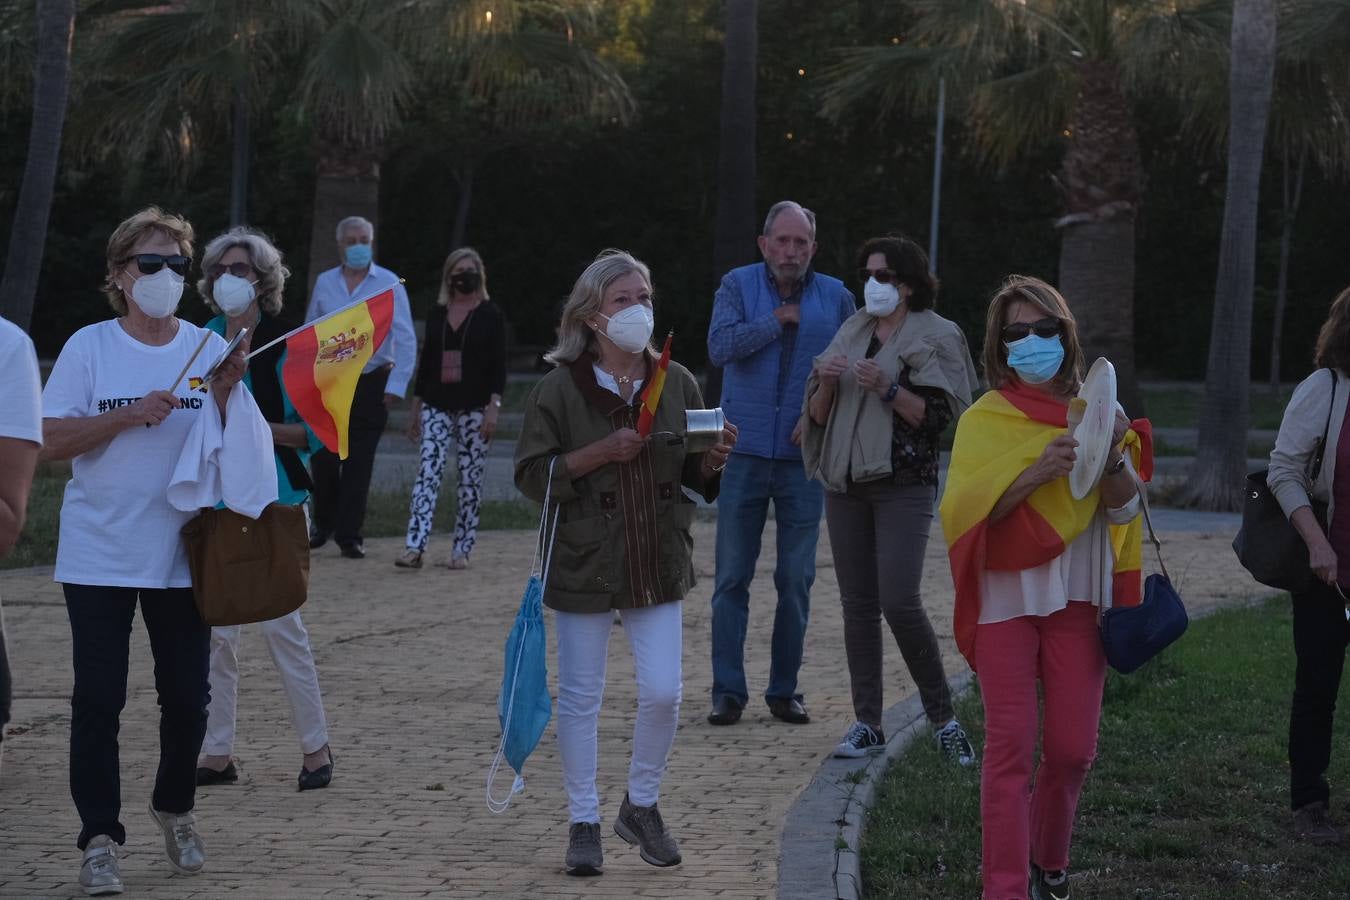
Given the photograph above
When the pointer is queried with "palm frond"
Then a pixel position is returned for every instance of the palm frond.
(1021, 111)
(889, 77)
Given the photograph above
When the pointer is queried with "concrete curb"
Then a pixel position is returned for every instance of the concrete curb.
(818, 858)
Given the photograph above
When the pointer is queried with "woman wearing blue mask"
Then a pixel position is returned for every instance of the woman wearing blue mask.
(876, 404)
(1031, 565)
(242, 280)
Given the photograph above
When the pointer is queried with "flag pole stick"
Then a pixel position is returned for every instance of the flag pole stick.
(294, 331)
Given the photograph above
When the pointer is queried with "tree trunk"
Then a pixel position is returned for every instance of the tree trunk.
(1291, 194)
(734, 229)
(28, 236)
(239, 141)
(1216, 477)
(346, 187)
(1099, 184)
(465, 180)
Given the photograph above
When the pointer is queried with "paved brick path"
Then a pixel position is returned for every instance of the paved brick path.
(410, 663)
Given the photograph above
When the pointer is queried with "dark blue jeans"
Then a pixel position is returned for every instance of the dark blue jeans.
(100, 629)
(748, 484)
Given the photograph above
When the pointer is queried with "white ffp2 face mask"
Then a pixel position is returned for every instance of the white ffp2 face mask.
(157, 295)
(233, 294)
(880, 299)
(631, 328)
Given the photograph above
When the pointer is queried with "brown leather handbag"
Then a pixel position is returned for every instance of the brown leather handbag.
(248, 570)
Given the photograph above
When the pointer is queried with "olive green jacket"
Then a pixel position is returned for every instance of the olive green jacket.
(623, 538)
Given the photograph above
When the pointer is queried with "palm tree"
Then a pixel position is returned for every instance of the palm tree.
(1031, 72)
(28, 235)
(1221, 454)
(734, 229)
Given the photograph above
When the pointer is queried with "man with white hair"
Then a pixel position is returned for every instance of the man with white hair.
(341, 486)
(769, 321)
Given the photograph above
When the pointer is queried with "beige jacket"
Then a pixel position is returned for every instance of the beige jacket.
(1300, 433)
(855, 442)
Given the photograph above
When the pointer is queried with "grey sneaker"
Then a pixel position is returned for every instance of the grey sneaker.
(1048, 885)
(99, 874)
(182, 844)
(584, 855)
(1312, 823)
(954, 744)
(642, 825)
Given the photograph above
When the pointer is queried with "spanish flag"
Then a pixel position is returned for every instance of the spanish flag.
(651, 394)
(324, 360)
(1002, 434)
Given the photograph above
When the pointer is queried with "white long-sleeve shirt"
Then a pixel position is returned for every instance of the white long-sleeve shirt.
(400, 347)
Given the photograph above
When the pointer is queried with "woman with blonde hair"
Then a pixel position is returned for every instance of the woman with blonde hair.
(1031, 566)
(457, 397)
(1321, 623)
(623, 541)
(112, 407)
(242, 281)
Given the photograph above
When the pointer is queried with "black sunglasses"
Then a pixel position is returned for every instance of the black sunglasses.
(1046, 328)
(237, 269)
(150, 263)
(883, 276)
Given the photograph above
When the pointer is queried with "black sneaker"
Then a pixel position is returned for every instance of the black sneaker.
(1312, 823)
(1049, 885)
(861, 740)
(354, 551)
(317, 539)
(954, 744)
(584, 854)
(643, 826)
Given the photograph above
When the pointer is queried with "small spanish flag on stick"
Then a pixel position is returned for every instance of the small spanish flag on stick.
(651, 394)
(324, 359)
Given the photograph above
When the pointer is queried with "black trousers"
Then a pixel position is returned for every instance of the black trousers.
(341, 485)
(100, 630)
(1321, 635)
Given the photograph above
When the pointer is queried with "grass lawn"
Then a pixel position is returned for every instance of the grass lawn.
(386, 516)
(1178, 405)
(1188, 799)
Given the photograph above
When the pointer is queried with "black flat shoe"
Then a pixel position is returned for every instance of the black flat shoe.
(725, 712)
(317, 539)
(319, 778)
(354, 551)
(207, 777)
(789, 709)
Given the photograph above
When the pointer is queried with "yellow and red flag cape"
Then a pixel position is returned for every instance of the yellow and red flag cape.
(324, 361)
(997, 439)
(651, 394)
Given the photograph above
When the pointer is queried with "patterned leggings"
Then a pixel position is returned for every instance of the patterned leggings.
(439, 429)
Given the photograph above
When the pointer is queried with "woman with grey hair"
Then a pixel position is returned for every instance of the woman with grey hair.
(242, 281)
(623, 540)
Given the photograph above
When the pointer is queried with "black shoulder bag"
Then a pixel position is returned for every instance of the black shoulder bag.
(1268, 545)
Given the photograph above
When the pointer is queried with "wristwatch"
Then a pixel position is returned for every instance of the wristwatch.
(1119, 465)
(891, 392)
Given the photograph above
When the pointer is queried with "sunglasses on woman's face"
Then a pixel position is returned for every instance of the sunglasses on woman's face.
(883, 276)
(150, 263)
(1046, 328)
(237, 269)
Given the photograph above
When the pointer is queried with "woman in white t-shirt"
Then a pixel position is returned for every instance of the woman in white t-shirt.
(111, 407)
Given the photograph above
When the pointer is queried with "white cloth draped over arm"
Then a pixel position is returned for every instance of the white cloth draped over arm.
(232, 463)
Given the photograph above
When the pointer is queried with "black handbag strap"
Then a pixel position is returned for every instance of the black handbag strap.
(1326, 431)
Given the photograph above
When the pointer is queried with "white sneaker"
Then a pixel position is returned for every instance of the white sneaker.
(99, 874)
(182, 844)
(862, 740)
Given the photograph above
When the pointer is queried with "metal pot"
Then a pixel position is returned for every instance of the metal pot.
(703, 429)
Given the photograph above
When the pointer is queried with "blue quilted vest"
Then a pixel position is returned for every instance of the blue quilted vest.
(750, 395)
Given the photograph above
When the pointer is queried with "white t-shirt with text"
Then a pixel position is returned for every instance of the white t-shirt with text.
(117, 527)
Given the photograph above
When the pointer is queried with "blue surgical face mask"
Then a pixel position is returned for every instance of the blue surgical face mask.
(1036, 359)
(357, 256)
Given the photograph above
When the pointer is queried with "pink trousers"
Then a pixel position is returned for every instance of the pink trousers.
(1022, 824)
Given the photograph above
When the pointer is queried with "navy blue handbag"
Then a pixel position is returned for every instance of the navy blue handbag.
(1132, 635)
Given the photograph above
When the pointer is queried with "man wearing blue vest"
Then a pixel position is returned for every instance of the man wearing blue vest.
(769, 321)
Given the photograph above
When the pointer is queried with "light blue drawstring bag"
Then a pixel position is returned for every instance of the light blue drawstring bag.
(524, 705)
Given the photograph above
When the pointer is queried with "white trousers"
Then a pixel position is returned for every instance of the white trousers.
(288, 642)
(654, 634)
